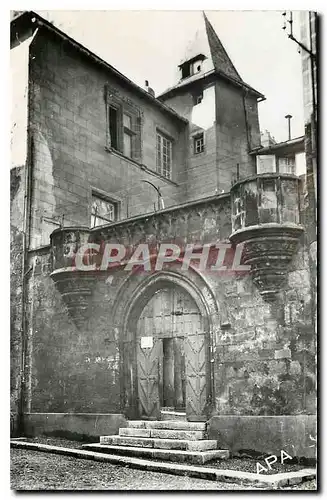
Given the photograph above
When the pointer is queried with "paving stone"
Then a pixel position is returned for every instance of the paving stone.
(294, 480)
(134, 432)
(176, 434)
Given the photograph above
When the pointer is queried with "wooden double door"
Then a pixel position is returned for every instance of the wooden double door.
(171, 356)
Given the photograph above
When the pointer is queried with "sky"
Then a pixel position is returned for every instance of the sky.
(148, 45)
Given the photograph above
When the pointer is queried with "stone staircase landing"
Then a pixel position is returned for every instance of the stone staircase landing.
(169, 440)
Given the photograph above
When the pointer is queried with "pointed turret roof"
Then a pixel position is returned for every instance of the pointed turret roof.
(220, 58)
(206, 43)
(197, 45)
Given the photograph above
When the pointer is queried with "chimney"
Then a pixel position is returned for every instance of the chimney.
(149, 89)
(266, 139)
(288, 118)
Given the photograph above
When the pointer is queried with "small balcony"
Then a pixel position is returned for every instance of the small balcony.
(266, 218)
(75, 286)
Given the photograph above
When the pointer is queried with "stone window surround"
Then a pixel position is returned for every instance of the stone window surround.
(198, 137)
(163, 134)
(195, 135)
(111, 198)
(124, 106)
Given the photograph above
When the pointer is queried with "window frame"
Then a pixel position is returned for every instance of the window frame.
(124, 106)
(108, 199)
(117, 109)
(188, 68)
(160, 169)
(129, 131)
(197, 137)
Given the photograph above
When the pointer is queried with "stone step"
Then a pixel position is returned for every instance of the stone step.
(162, 433)
(167, 424)
(173, 415)
(195, 457)
(168, 444)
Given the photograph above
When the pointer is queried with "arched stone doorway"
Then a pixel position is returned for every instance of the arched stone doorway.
(166, 348)
(170, 354)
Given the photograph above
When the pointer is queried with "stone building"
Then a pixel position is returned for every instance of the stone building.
(98, 160)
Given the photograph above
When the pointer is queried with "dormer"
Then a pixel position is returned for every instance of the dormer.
(192, 66)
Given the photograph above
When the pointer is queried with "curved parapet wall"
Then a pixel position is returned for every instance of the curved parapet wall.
(266, 218)
(75, 286)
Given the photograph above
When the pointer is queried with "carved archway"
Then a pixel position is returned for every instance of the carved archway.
(132, 297)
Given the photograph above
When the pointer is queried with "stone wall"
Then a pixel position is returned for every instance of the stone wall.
(263, 354)
(229, 136)
(237, 133)
(201, 173)
(69, 129)
(17, 192)
(263, 360)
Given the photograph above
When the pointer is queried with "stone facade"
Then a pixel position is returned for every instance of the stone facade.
(73, 332)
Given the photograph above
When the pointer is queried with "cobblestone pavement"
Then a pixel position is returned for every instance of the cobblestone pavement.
(41, 471)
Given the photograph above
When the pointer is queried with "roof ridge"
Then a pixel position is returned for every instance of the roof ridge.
(98, 60)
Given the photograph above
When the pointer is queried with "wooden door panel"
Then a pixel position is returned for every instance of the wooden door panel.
(148, 377)
(196, 375)
(172, 313)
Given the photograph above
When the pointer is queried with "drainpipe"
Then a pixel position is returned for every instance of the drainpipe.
(247, 126)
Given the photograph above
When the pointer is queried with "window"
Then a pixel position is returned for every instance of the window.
(198, 98)
(127, 144)
(198, 144)
(124, 125)
(164, 155)
(186, 71)
(128, 135)
(103, 211)
(266, 164)
(193, 66)
(286, 165)
(196, 67)
(113, 126)
(127, 121)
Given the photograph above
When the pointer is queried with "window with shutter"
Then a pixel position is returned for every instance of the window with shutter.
(124, 125)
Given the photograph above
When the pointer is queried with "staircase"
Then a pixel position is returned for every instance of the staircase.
(173, 440)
